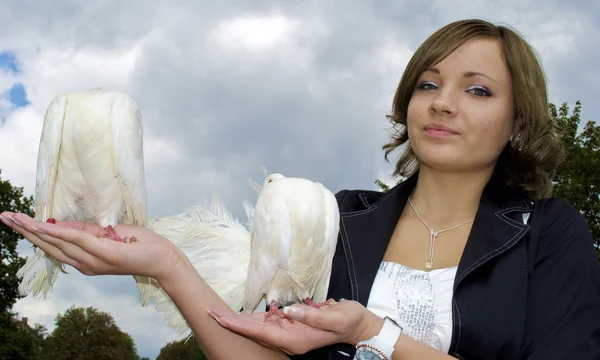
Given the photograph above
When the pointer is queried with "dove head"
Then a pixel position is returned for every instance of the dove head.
(272, 177)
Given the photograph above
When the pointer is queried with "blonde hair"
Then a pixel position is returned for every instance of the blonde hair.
(531, 161)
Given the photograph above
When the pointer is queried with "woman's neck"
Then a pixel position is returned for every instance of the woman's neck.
(445, 199)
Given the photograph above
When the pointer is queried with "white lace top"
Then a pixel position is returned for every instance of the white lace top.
(419, 301)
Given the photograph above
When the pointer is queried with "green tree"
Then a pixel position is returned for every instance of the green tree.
(181, 350)
(382, 186)
(577, 180)
(16, 342)
(11, 199)
(19, 341)
(88, 334)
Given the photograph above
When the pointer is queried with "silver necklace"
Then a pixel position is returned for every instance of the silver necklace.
(433, 236)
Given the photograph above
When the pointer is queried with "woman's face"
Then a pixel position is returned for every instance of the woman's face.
(460, 116)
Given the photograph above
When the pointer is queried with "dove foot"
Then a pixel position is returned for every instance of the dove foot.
(112, 234)
(309, 302)
(274, 311)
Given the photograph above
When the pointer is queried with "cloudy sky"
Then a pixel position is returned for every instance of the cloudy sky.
(227, 88)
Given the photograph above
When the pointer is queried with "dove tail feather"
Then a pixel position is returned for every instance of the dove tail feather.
(34, 275)
(217, 245)
(255, 186)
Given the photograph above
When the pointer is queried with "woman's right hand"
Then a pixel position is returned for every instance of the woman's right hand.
(83, 246)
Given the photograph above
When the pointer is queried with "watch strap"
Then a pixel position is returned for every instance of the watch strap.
(388, 336)
(386, 339)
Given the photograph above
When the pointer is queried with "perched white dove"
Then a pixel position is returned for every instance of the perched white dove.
(295, 228)
(90, 168)
(282, 256)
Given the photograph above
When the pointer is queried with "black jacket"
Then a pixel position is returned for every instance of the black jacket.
(523, 290)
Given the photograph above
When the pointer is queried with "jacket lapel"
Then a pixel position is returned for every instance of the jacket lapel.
(494, 230)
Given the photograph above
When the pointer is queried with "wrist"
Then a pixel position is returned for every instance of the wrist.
(178, 265)
(371, 326)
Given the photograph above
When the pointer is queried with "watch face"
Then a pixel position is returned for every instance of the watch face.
(368, 353)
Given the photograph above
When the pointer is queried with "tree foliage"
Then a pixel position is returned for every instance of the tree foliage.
(19, 341)
(181, 350)
(382, 186)
(88, 334)
(16, 342)
(578, 178)
(11, 199)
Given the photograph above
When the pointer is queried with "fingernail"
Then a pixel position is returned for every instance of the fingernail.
(12, 218)
(38, 230)
(294, 312)
(5, 220)
(214, 316)
(215, 312)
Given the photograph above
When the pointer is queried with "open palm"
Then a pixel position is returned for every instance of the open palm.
(341, 322)
(84, 247)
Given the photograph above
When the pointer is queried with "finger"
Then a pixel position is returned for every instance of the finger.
(75, 255)
(329, 320)
(264, 331)
(70, 253)
(96, 255)
(291, 338)
(6, 221)
(93, 229)
(89, 243)
(254, 316)
(78, 245)
(47, 247)
(54, 247)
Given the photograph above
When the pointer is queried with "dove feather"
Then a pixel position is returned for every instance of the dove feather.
(217, 245)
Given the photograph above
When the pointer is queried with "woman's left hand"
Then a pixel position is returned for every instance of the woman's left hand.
(311, 328)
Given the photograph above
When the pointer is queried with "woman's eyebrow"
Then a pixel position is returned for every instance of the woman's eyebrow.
(476, 73)
(465, 74)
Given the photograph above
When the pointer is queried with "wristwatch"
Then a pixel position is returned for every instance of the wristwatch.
(380, 346)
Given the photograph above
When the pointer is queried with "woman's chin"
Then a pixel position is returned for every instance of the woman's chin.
(450, 163)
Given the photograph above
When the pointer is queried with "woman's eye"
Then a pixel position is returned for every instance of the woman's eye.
(427, 86)
(480, 91)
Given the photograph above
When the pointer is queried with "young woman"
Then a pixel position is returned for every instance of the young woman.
(468, 258)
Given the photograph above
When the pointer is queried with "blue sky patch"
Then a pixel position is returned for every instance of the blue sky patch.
(8, 61)
(18, 96)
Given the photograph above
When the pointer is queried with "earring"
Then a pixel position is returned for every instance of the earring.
(516, 142)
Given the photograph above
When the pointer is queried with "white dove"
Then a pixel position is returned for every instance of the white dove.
(90, 168)
(295, 228)
(285, 251)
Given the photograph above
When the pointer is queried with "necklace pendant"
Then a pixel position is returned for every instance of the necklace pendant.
(428, 266)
